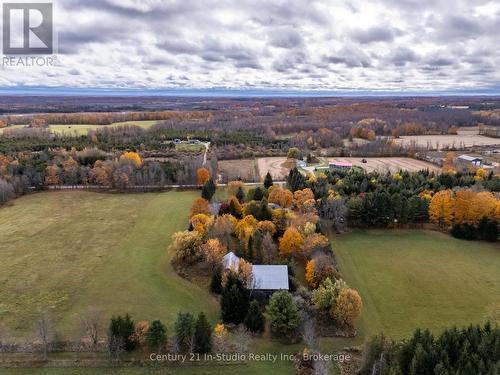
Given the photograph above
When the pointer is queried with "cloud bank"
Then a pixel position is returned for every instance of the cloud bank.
(387, 45)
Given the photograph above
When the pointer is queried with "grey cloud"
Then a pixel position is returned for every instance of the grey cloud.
(285, 38)
(402, 56)
(374, 34)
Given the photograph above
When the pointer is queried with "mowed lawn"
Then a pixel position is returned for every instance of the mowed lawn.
(411, 278)
(69, 251)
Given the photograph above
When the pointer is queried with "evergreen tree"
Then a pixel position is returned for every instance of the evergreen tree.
(216, 280)
(156, 335)
(202, 335)
(296, 181)
(234, 301)
(254, 320)
(258, 194)
(184, 332)
(284, 314)
(208, 189)
(264, 211)
(268, 181)
(122, 330)
(240, 194)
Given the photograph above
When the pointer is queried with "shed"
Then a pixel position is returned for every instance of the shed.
(231, 261)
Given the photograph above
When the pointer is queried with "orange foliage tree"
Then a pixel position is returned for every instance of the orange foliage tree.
(202, 176)
(280, 196)
(200, 206)
(291, 242)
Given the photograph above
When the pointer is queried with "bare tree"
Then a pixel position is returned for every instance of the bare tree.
(309, 333)
(91, 326)
(43, 326)
(322, 367)
(241, 339)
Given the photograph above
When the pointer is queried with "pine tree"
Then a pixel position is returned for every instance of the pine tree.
(254, 320)
(258, 194)
(202, 335)
(268, 181)
(184, 332)
(216, 281)
(234, 301)
(240, 194)
(264, 211)
(156, 335)
(122, 329)
(208, 190)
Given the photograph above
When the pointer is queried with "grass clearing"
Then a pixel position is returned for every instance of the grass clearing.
(68, 251)
(413, 278)
(83, 129)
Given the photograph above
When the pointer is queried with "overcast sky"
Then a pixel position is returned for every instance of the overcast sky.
(390, 45)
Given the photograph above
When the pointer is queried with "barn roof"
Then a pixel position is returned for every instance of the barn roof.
(273, 277)
(230, 260)
(469, 158)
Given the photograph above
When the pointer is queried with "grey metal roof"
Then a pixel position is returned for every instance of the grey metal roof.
(469, 158)
(232, 261)
(269, 277)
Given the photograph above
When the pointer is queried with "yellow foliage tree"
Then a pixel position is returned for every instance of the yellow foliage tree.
(302, 196)
(291, 242)
(202, 176)
(245, 227)
(464, 209)
(131, 157)
(348, 307)
(213, 251)
(201, 222)
(441, 208)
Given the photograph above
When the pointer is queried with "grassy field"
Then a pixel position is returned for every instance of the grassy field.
(68, 251)
(82, 129)
(411, 279)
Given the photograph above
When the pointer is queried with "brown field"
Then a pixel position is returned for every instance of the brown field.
(245, 169)
(389, 164)
(437, 142)
(274, 166)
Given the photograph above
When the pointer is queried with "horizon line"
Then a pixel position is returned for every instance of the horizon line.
(239, 92)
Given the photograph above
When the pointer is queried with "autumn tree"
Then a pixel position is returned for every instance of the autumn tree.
(52, 177)
(140, 332)
(347, 307)
(201, 223)
(222, 228)
(213, 251)
(280, 196)
(200, 206)
(441, 208)
(202, 176)
(291, 242)
(186, 246)
(319, 269)
(131, 158)
(313, 243)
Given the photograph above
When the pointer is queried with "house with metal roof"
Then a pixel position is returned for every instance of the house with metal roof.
(269, 277)
(265, 278)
